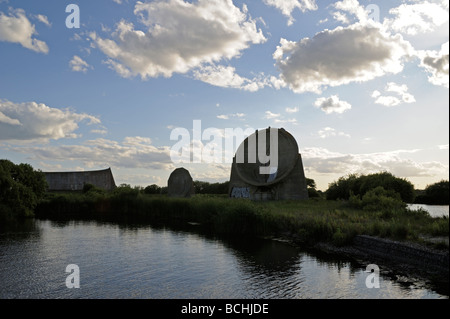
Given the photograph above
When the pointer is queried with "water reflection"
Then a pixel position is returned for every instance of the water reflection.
(153, 261)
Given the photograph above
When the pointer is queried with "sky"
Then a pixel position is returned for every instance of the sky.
(363, 86)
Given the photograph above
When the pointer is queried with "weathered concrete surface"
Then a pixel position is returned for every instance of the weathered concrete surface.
(180, 183)
(288, 178)
(75, 181)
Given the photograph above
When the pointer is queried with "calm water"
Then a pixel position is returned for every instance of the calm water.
(434, 210)
(146, 262)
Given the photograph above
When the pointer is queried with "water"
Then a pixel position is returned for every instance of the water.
(142, 261)
(434, 210)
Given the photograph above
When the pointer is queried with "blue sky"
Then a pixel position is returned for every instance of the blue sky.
(361, 85)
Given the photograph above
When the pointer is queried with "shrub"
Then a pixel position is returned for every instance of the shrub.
(379, 199)
(344, 187)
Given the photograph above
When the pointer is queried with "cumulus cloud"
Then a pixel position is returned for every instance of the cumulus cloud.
(349, 9)
(417, 18)
(323, 161)
(332, 105)
(43, 19)
(277, 118)
(77, 64)
(288, 6)
(331, 132)
(357, 53)
(132, 152)
(401, 91)
(16, 28)
(225, 76)
(436, 63)
(228, 116)
(269, 115)
(292, 109)
(33, 121)
(178, 36)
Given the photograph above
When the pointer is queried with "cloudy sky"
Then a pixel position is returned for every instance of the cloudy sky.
(362, 86)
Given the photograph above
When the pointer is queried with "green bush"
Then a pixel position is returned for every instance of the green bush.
(379, 199)
(344, 187)
(388, 202)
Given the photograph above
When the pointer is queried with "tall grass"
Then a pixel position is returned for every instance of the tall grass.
(309, 221)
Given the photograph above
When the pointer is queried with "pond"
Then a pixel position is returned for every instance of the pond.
(144, 261)
(433, 210)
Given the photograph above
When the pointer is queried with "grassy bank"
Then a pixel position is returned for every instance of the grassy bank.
(306, 221)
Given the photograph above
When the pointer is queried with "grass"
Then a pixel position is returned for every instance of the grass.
(307, 221)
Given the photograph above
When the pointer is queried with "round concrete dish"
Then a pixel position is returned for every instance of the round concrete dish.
(180, 183)
(287, 158)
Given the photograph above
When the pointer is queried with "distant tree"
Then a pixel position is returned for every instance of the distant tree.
(152, 189)
(90, 189)
(310, 183)
(210, 188)
(21, 187)
(311, 187)
(125, 191)
(435, 194)
(164, 190)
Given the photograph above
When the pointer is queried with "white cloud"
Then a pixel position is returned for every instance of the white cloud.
(228, 116)
(100, 131)
(178, 36)
(350, 7)
(402, 95)
(288, 6)
(332, 105)
(132, 152)
(278, 119)
(43, 19)
(356, 53)
(436, 63)
(77, 64)
(7, 120)
(331, 132)
(417, 18)
(341, 17)
(323, 161)
(291, 109)
(33, 121)
(288, 121)
(16, 28)
(269, 115)
(388, 100)
(225, 76)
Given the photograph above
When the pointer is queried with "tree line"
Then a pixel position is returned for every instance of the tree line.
(22, 188)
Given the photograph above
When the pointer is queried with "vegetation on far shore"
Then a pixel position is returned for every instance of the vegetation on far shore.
(305, 221)
(367, 204)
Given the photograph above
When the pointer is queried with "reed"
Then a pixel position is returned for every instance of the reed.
(305, 221)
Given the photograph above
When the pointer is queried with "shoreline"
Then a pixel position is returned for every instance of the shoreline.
(404, 261)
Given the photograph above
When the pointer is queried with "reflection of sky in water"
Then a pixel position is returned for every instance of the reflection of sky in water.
(144, 262)
(434, 210)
